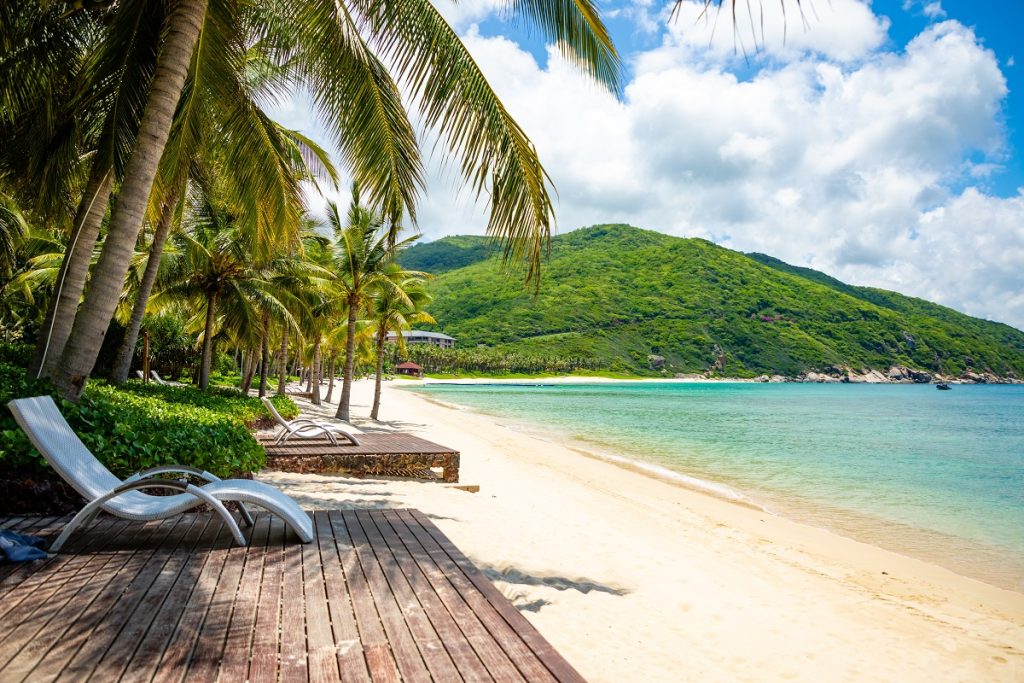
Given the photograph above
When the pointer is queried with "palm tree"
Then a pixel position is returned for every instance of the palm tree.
(364, 252)
(395, 305)
(324, 47)
(211, 269)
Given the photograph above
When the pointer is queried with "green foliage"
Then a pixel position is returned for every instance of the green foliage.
(613, 295)
(447, 254)
(170, 347)
(141, 426)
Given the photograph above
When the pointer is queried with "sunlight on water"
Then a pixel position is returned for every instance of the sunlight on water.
(935, 474)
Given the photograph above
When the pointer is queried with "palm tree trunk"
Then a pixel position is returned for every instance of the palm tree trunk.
(211, 315)
(74, 269)
(330, 373)
(315, 374)
(264, 355)
(380, 371)
(282, 369)
(350, 361)
(156, 249)
(249, 370)
(93, 319)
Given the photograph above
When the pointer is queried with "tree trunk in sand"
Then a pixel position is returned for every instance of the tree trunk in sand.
(282, 367)
(350, 361)
(330, 373)
(380, 370)
(95, 314)
(74, 269)
(315, 371)
(156, 249)
(211, 316)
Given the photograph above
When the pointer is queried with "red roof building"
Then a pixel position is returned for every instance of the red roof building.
(409, 368)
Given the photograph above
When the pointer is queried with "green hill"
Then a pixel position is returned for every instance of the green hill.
(620, 294)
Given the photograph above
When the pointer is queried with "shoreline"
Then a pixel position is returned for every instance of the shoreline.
(857, 526)
(633, 578)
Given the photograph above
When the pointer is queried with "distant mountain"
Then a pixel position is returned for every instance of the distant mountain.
(634, 298)
(448, 253)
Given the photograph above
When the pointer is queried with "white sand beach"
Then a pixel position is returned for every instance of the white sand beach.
(636, 579)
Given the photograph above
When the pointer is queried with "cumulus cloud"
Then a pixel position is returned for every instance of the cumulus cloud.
(827, 151)
(850, 169)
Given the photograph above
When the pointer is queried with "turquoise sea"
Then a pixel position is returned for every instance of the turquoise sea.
(933, 474)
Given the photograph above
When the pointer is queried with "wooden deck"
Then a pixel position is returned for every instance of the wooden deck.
(380, 595)
(381, 453)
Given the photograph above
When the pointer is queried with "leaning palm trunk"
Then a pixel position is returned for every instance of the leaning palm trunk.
(74, 269)
(314, 372)
(249, 370)
(282, 367)
(211, 316)
(380, 371)
(264, 354)
(350, 361)
(131, 335)
(94, 317)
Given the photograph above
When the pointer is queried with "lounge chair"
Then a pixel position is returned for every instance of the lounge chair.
(304, 428)
(53, 437)
(157, 378)
(141, 375)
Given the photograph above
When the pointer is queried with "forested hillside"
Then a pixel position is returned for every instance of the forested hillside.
(637, 300)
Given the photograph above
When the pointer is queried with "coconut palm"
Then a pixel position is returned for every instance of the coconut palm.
(396, 303)
(364, 250)
(338, 50)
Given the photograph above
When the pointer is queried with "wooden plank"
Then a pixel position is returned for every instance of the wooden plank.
(351, 661)
(238, 649)
(554, 661)
(407, 656)
(37, 580)
(124, 645)
(379, 658)
(432, 649)
(292, 665)
(450, 636)
(48, 653)
(494, 658)
(521, 655)
(174, 662)
(147, 656)
(264, 660)
(320, 644)
(61, 593)
(109, 617)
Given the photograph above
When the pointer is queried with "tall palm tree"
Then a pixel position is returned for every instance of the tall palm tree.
(396, 304)
(339, 51)
(364, 251)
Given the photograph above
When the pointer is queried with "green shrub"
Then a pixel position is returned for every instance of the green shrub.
(141, 426)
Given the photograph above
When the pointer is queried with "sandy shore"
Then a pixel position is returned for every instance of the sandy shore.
(635, 579)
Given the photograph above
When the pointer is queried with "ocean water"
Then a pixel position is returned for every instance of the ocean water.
(933, 474)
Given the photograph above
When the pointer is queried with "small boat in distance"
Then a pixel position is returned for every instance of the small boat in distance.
(942, 386)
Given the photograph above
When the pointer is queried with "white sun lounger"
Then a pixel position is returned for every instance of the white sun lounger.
(305, 428)
(58, 443)
(157, 378)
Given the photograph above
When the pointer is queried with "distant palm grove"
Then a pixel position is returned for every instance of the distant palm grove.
(149, 201)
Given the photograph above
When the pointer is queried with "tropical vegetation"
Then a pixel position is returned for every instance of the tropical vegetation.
(140, 174)
(630, 300)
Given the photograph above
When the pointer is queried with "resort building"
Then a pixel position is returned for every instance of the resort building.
(421, 337)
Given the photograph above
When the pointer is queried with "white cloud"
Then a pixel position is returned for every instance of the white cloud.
(848, 169)
(842, 30)
(855, 161)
